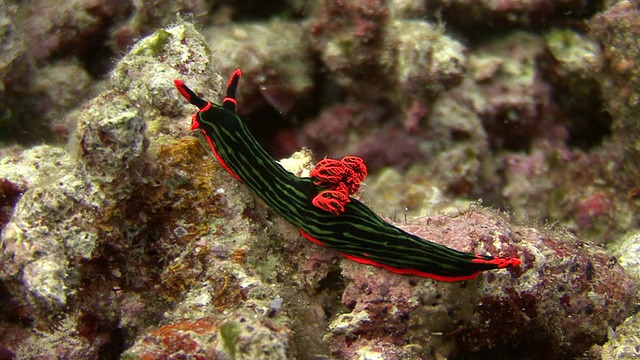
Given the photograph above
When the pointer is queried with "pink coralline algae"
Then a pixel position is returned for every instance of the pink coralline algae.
(617, 29)
(56, 27)
(334, 127)
(273, 80)
(349, 35)
(592, 207)
(9, 195)
(591, 189)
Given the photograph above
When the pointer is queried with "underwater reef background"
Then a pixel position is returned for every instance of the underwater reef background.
(498, 127)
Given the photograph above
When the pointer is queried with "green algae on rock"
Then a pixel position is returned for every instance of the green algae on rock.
(80, 235)
(424, 60)
(154, 62)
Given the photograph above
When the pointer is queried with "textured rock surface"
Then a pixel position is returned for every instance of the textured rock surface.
(276, 78)
(130, 242)
(471, 15)
(623, 343)
(564, 286)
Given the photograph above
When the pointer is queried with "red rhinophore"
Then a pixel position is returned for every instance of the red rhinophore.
(189, 94)
(182, 89)
(411, 271)
(204, 106)
(236, 74)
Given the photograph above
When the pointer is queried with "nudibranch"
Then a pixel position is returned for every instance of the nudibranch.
(320, 205)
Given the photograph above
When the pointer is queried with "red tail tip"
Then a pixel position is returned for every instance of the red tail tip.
(515, 262)
(499, 262)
